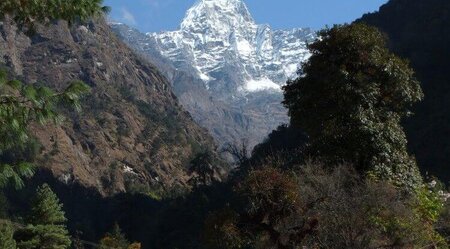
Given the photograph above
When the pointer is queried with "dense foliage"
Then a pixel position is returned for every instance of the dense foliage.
(6, 236)
(45, 224)
(420, 31)
(285, 141)
(350, 99)
(315, 207)
(28, 13)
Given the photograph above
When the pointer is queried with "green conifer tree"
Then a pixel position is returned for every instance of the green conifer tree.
(46, 229)
(21, 104)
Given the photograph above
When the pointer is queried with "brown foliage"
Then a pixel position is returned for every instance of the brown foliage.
(318, 207)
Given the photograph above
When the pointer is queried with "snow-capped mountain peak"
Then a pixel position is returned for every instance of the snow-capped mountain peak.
(219, 23)
(219, 39)
(225, 68)
(217, 14)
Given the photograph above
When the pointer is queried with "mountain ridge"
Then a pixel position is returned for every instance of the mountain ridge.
(238, 65)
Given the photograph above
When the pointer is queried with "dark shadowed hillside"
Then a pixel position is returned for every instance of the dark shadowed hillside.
(132, 134)
(420, 31)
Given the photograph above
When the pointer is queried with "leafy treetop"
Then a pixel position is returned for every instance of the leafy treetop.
(350, 99)
(29, 12)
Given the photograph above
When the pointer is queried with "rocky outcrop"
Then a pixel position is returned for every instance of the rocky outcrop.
(132, 133)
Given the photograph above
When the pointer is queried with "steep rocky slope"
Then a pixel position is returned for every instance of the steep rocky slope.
(420, 31)
(226, 69)
(132, 134)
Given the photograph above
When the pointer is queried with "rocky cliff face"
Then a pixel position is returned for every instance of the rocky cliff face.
(239, 66)
(132, 133)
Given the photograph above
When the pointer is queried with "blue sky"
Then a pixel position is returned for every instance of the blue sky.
(158, 15)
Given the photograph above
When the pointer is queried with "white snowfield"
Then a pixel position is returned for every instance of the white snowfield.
(261, 85)
(219, 38)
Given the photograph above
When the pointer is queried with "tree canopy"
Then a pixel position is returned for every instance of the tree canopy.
(350, 99)
(419, 31)
(27, 13)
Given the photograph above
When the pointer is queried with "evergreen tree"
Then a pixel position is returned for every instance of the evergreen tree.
(46, 209)
(350, 100)
(46, 229)
(19, 105)
(6, 236)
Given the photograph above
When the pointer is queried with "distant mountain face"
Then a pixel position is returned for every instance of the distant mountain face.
(240, 65)
(420, 32)
(132, 134)
(220, 37)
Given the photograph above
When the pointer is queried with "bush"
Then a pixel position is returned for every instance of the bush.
(323, 207)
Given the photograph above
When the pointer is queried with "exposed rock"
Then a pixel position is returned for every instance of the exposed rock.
(132, 130)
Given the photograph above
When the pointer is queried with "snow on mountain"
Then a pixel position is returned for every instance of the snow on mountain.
(219, 35)
(226, 69)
